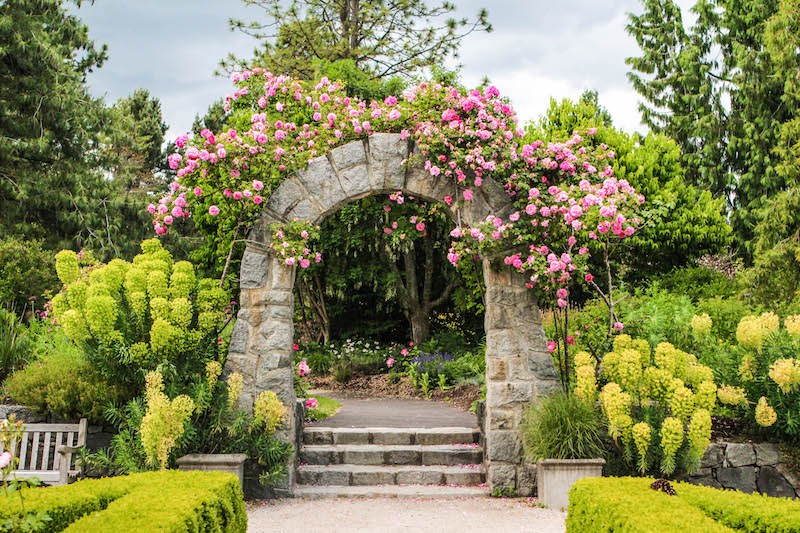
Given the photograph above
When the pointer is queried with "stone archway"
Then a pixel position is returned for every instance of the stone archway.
(518, 366)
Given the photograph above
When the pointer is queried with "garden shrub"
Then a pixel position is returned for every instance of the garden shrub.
(764, 386)
(64, 384)
(658, 316)
(26, 270)
(658, 405)
(699, 283)
(629, 504)
(154, 501)
(131, 318)
(563, 427)
(14, 343)
(725, 314)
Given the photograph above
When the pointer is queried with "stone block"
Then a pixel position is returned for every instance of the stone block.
(502, 476)
(403, 457)
(355, 182)
(285, 197)
(738, 454)
(279, 381)
(392, 438)
(504, 446)
(419, 182)
(425, 477)
(706, 481)
(542, 366)
(772, 483)
(496, 369)
(275, 335)
(281, 276)
(363, 457)
(351, 437)
(244, 364)
(239, 337)
(790, 475)
(305, 210)
(463, 477)
(317, 437)
(526, 480)
(501, 419)
(767, 454)
(713, 456)
(349, 155)
(387, 153)
(319, 456)
(508, 394)
(254, 270)
(741, 478)
(373, 478)
(321, 182)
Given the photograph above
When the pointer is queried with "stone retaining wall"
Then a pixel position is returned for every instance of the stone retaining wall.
(747, 467)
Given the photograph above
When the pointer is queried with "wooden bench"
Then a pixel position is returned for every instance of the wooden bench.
(46, 451)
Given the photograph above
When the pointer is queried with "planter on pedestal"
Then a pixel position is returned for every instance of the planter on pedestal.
(554, 478)
(215, 462)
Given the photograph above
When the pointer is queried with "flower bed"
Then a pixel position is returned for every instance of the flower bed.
(163, 501)
(629, 504)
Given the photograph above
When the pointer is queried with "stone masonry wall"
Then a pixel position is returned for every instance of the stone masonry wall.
(748, 468)
(519, 367)
(518, 370)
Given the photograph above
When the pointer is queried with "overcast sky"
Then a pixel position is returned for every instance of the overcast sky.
(539, 49)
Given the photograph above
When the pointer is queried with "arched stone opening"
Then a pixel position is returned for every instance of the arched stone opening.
(518, 366)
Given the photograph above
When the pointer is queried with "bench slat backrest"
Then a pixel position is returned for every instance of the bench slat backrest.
(38, 451)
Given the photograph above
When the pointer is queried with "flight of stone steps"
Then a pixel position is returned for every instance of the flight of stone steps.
(393, 462)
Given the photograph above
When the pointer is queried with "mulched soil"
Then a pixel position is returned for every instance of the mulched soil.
(378, 386)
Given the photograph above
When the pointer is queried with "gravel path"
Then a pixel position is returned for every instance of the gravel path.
(383, 515)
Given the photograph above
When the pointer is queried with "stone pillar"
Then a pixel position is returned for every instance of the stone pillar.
(518, 370)
(261, 343)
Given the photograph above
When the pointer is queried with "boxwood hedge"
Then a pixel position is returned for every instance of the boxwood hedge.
(151, 501)
(629, 504)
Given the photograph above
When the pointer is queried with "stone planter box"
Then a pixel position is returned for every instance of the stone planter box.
(554, 478)
(215, 462)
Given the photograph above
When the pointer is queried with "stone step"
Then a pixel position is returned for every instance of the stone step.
(426, 436)
(390, 491)
(382, 454)
(390, 475)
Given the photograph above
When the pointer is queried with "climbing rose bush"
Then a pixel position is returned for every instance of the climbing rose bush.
(658, 405)
(132, 317)
(564, 194)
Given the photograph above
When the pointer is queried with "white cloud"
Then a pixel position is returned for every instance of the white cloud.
(535, 52)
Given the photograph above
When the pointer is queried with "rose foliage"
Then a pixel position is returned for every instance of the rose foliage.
(563, 196)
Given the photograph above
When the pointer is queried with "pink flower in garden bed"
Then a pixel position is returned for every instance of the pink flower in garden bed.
(311, 403)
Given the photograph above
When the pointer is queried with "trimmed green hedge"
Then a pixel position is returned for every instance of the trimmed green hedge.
(173, 500)
(629, 504)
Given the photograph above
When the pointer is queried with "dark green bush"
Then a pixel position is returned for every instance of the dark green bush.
(629, 504)
(154, 501)
(563, 427)
(14, 343)
(699, 283)
(25, 270)
(725, 313)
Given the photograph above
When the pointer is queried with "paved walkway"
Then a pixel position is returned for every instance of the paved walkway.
(395, 413)
(383, 515)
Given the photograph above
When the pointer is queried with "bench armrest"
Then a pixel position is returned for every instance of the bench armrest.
(63, 467)
(63, 450)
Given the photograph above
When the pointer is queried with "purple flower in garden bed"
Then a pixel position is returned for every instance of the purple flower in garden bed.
(425, 358)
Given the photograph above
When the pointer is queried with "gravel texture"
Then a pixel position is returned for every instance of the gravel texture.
(493, 515)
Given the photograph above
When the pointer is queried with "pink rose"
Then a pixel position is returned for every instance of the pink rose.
(311, 403)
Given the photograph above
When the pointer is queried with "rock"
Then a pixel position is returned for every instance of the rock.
(20, 412)
(772, 483)
(253, 273)
(767, 454)
(737, 454)
(706, 481)
(790, 476)
(714, 456)
(742, 478)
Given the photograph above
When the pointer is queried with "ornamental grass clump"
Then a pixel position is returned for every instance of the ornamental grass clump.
(657, 405)
(563, 427)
